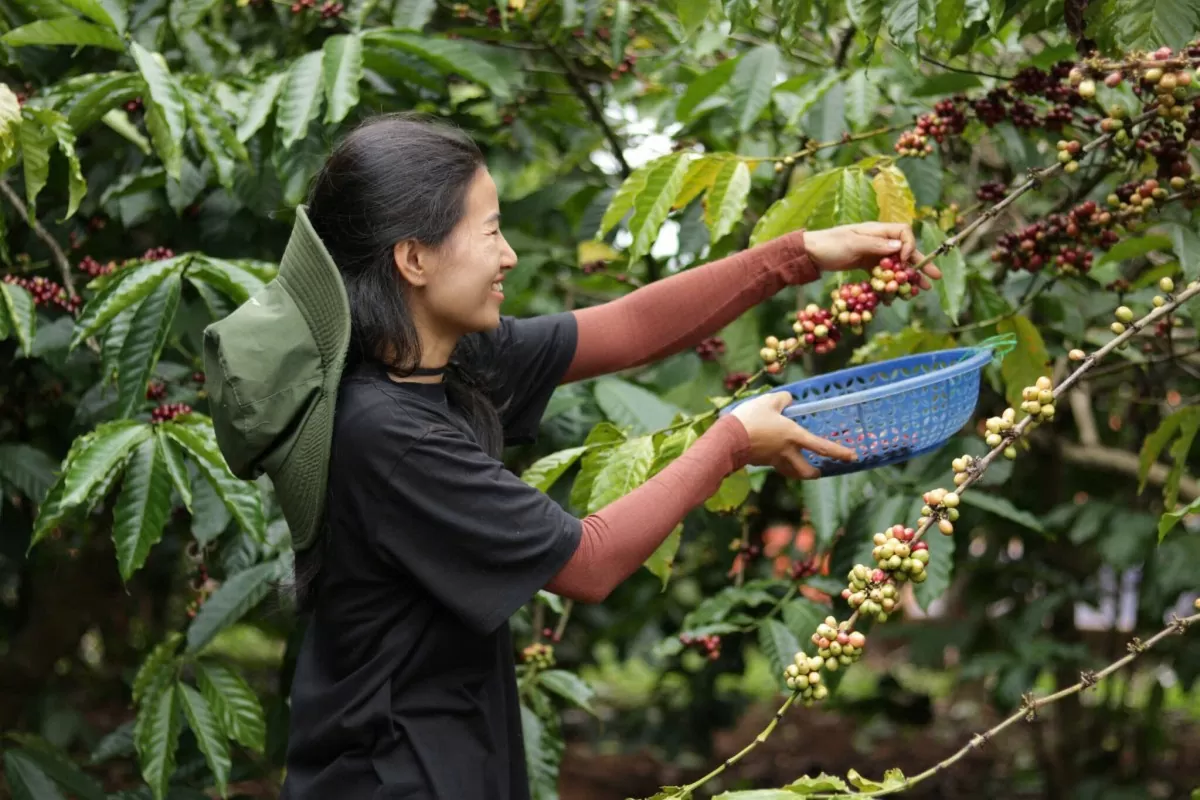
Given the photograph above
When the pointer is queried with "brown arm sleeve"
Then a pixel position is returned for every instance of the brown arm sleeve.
(679, 311)
(623, 534)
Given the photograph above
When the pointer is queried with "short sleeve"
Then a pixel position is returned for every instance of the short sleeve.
(532, 355)
(475, 536)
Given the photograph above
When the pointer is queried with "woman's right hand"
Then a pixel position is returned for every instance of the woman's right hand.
(776, 441)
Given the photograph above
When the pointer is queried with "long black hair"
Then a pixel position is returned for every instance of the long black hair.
(397, 177)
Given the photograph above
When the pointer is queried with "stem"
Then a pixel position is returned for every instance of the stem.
(562, 621)
(980, 73)
(686, 791)
(60, 258)
(593, 108)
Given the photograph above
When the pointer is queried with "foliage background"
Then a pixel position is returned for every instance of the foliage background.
(146, 645)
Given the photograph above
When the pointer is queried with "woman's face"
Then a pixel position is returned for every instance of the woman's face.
(462, 292)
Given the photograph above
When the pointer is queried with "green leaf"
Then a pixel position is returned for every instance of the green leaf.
(18, 307)
(232, 601)
(60, 129)
(166, 112)
(106, 450)
(821, 500)
(1187, 248)
(56, 765)
(892, 195)
(1135, 247)
(343, 64)
(653, 204)
(673, 445)
(862, 98)
(259, 106)
(142, 509)
(144, 342)
(27, 469)
(240, 497)
(1172, 518)
(952, 287)
(1179, 452)
(233, 703)
(216, 136)
(230, 278)
(543, 752)
(155, 669)
(593, 461)
(692, 14)
(451, 57)
(137, 283)
(939, 568)
(699, 178)
(300, 98)
(752, 82)
(1004, 508)
(36, 142)
(851, 199)
(90, 104)
(1153, 445)
(209, 737)
(903, 19)
(627, 192)
(69, 31)
(172, 461)
(412, 14)
(568, 686)
(779, 645)
(662, 560)
(726, 199)
(1025, 364)
(630, 406)
(626, 469)
(892, 779)
(730, 495)
(821, 783)
(186, 14)
(792, 212)
(704, 87)
(156, 736)
(26, 779)
(802, 616)
(542, 473)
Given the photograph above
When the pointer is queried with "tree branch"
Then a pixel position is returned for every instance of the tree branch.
(980, 73)
(593, 107)
(1112, 459)
(56, 251)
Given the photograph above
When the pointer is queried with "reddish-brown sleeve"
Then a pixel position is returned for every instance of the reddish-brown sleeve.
(679, 311)
(623, 534)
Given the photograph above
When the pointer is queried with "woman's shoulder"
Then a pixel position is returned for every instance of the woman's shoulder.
(373, 413)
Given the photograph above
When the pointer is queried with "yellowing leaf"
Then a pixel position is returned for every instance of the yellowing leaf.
(1027, 362)
(662, 559)
(590, 250)
(700, 176)
(726, 199)
(895, 199)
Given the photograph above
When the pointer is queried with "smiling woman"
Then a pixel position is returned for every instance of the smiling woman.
(376, 382)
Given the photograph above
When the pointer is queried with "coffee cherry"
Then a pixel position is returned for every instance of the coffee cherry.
(1076, 355)
(1117, 328)
(1166, 285)
(166, 413)
(1124, 314)
(710, 348)
(539, 655)
(815, 329)
(1010, 452)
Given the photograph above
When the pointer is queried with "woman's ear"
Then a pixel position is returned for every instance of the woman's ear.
(408, 261)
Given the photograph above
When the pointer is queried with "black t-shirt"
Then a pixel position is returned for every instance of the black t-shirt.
(405, 683)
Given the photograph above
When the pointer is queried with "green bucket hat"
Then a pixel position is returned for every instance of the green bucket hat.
(273, 368)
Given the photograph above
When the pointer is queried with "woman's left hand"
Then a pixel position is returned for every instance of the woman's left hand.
(863, 244)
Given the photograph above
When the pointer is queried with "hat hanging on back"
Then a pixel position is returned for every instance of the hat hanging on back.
(273, 367)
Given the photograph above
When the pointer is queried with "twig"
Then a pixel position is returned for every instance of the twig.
(568, 605)
(60, 258)
(593, 108)
(1113, 460)
(980, 73)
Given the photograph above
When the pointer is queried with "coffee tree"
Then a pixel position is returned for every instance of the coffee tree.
(152, 155)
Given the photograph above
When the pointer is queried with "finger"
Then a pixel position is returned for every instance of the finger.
(825, 447)
(786, 468)
(910, 244)
(804, 470)
(885, 244)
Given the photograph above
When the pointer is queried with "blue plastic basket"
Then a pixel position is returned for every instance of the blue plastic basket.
(893, 410)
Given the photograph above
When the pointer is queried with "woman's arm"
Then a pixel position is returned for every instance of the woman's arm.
(679, 311)
(618, 538)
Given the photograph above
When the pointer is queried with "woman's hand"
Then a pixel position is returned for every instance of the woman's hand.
(862, 245)
(776, 441)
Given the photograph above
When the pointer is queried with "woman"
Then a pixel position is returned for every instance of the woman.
(405, 684)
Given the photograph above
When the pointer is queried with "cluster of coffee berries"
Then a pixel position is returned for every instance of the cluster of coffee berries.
(300, 6)
(806, 568)
(708, 643)
(539, 655)
(900, 555)
(815, 328)
(803, 675)
(46, 292)
(997, 430)
(156, 390)
(775, 351)
(1061, 240)
(134, 105)
(836, 647)
(1038, 400)
(992, 192)
(92, 268)
(963, 466)
(736, 380)
(331, 10)
(625, 65)
(1032, 81)
(1136, 197)
(891, 279)
(854, 304)
(202, 587)
(942, 506)
(1068, 152)
(711, 349)
(871, 592)
(168, 412)
(1170, 150)
(158, 254)
(946, 119)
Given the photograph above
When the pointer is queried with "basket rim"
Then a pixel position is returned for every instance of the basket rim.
(972, 363)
